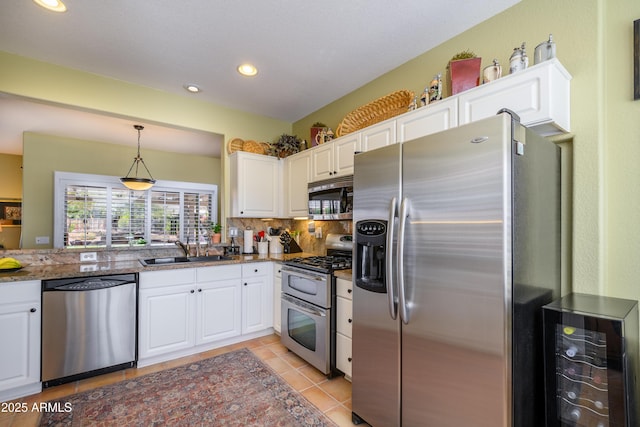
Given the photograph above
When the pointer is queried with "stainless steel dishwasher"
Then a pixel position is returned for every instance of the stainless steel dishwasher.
(88, 326)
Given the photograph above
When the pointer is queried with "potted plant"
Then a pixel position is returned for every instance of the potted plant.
(285, 146)
(316, 128)
(215, 232)
(464, 71)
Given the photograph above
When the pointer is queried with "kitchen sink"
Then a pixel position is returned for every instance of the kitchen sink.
(183, 259)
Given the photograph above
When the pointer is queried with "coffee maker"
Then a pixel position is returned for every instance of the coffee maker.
(233, 248)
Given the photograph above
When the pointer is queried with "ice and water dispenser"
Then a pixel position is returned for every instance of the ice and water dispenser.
(371, 236)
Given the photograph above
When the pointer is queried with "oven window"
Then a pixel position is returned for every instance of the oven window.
(302, 329)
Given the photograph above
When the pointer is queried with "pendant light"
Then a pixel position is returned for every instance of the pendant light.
(136, 183)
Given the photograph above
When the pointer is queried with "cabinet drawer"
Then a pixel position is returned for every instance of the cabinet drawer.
(221, 272)
(344, 316)
(256, 269)
(344, 288)
(20, 292)
(154, 279)
(343, 354)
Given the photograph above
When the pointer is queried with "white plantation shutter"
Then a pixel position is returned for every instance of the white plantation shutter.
(128, 216)
(165, 216)
(97, 211)
(86, 215)
(197, 216)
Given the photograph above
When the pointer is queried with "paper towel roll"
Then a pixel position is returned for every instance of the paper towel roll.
(248, 242)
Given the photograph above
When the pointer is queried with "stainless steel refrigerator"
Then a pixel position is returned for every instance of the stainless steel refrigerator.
(456, 249)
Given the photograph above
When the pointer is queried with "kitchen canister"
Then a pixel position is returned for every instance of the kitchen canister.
(518, 60)
(263, 248)
(275, 247)
(544, 51)
(247, 247)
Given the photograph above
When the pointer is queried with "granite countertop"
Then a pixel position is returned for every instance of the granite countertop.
(344, 274)
(56, 271)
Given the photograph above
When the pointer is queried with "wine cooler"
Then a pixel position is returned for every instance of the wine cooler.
(591, 356)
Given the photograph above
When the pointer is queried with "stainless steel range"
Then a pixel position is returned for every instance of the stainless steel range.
(308, 303)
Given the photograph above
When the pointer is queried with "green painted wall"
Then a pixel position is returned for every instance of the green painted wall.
(51, 83)
(10, 176)
(45, 154)
(595, 43)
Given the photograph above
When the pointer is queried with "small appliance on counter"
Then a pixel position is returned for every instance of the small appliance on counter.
(273, 237)
(233, 249)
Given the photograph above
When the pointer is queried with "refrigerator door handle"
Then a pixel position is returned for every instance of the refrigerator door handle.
(402, 303)
(391, 292)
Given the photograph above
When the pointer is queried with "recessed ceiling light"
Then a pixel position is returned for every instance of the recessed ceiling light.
(54, 5)
(247, 70)
(192, 88)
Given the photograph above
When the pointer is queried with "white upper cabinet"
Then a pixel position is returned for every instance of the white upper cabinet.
(334, 159)
(297, 174)
(436, 117)
(539, 95)
(256, 185)
(378, 135)
(344, 150)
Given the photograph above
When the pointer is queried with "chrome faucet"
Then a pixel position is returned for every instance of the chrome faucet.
(185, 248)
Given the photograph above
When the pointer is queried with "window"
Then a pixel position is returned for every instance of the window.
(97, 211)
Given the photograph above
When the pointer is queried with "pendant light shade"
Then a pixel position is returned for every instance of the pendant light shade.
(136, 183)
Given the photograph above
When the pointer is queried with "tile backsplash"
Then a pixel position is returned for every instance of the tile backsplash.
(306, 240)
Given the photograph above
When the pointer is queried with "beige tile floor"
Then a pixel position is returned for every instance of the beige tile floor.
(332, 397)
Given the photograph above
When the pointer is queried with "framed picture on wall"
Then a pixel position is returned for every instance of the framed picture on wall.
(13, 212)
(636, 59)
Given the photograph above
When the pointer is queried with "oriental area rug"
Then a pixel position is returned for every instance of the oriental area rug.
(232, 389)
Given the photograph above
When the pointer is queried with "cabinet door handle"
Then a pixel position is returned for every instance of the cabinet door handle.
(349, 359)
(335, 172)
(33, 310)
(192, 291)
(245, 284)
(255, 271)
(349, 291)
(350, 320)
(199, 290)
(241, 212)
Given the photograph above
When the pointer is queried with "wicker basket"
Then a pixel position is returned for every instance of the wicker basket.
(376, 111)
(251, 146)
(234, 145)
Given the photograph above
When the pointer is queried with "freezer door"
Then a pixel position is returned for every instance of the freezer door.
(376, 336)
(455, 343)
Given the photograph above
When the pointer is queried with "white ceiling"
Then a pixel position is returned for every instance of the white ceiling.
(308, 52)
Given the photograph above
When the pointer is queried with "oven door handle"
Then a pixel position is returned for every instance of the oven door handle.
(301, 274)
(304, 308)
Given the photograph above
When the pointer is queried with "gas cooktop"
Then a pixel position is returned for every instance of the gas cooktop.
(323, 264)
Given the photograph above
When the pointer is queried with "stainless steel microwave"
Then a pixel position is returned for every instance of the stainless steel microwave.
(331, 199)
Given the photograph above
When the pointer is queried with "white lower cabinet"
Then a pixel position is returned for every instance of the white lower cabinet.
(20, 313)
(277, 291)
(184, 311)
(166, 310)
(344, 322)
(257, 296)
(218, 304)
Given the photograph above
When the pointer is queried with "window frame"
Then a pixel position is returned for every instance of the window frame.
(64, 179)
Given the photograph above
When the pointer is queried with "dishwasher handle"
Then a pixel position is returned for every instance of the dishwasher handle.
(87, 283)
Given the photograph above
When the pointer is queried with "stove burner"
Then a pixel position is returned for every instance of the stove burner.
(322, 263)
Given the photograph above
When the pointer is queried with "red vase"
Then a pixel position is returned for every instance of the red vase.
(464, 74)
